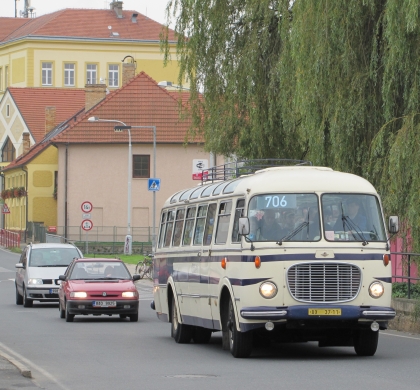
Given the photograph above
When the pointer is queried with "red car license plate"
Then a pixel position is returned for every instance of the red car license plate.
(104, 303)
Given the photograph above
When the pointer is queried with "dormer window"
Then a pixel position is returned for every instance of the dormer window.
(7, 110)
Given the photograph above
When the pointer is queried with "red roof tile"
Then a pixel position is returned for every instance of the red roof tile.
(88, 24)
(8, 25)
(31, 103)
(141, 102)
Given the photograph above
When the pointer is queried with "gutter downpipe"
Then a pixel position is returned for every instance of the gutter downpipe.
(65, 191)
(27, 202)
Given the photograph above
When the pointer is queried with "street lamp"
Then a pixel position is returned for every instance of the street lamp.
(128, 239)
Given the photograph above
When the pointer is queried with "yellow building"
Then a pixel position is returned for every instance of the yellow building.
(73, 47)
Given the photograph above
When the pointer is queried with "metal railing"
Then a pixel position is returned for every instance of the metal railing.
(408, 278)
(9, 239)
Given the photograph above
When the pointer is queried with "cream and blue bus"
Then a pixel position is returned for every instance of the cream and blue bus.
(275, 251)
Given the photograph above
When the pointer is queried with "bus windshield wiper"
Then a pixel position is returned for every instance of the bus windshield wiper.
(293, 233)
(352, 226)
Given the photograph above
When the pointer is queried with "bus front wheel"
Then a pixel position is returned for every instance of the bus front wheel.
(240, 343)
(366, 342)
(182, 333)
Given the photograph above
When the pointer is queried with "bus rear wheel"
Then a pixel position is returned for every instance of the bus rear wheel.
(366, 342)
(182, 333)
(240, 343)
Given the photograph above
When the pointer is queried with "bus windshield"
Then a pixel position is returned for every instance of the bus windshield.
(352, 217)
(284, 217)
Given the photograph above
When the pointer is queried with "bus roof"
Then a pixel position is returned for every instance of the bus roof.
(296, 179)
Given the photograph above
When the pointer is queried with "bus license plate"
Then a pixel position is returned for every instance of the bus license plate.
(53, 290)
(324, 312)
(104, 303)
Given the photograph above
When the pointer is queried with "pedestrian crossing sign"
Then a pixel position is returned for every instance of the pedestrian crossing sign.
(153, 184)
(5, 209)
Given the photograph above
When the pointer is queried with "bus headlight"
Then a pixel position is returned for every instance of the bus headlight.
(268, 290)
(376, 289)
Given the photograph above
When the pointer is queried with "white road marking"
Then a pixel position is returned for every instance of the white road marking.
(29, 363)
(403, 337)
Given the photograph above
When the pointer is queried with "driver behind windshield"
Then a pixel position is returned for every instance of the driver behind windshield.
(355, 215)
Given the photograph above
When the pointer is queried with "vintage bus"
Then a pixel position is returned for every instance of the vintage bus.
(290, 253)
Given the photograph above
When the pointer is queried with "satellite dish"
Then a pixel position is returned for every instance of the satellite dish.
(109, 27)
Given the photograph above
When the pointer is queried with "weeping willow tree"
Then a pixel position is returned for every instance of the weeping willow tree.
(231, 50)
(333, 81)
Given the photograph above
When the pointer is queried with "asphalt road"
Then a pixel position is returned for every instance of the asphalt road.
(109, 353)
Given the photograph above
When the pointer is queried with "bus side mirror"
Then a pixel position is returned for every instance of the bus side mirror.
(393, 224)
(243, 226)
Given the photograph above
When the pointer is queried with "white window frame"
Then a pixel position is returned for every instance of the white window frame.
(47, 74)
(91, 73)
(113, 75)
(69, 74)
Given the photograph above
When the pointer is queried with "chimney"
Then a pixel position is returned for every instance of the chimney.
(49, 119)
(26, 143)
(117, 6)
(94, 93)
(128, 72)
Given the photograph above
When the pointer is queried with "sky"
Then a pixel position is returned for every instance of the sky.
(154, 9)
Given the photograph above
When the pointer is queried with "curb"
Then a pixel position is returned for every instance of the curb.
(25, 371)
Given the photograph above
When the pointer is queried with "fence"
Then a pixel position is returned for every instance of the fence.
(402, 261)
(9, 239)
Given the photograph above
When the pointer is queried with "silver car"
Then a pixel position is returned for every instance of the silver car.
(38, 270)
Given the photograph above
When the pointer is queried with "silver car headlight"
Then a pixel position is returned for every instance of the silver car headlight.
(33, 281)
(376, 289)
(268, 290)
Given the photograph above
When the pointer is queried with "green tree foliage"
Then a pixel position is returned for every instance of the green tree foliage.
(333, 81)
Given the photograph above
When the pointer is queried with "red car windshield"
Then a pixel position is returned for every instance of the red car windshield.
(99, 270)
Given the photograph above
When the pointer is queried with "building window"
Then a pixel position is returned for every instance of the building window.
(7, 110)
(6, 77)
(69, 72)
(113, 72)
(91, 74)
(1, 79)
(47, 73)
(8, 153)
(141, 166)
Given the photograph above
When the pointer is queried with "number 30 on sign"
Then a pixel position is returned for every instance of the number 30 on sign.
(87, 224)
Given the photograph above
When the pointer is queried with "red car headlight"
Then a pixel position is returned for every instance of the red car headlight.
(78, 294)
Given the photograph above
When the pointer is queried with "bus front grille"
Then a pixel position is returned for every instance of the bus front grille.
(324, 282)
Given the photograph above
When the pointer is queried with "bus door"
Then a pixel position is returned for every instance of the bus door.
(199, 273)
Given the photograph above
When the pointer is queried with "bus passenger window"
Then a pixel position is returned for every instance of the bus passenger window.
(239, 212)
(199, 226)
(225, 209)
(169, 227)
(162, 229)
(179, 224)
(208, 233)
(189, 225)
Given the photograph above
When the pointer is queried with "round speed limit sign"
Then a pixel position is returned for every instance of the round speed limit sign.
(87, 224)
(87, 207)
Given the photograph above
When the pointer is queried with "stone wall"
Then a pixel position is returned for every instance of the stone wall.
(408, 315)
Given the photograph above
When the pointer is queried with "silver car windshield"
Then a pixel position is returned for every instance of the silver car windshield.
(284, 217)
(352, 217)
(52, 257)
(99, 270)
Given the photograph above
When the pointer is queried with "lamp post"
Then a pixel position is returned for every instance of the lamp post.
(128, 239)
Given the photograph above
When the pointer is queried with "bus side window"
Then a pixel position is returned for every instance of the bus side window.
(162, 229)
(179, 224)
(199, 226)
(225, 210)
(189, 225)
(208, 232)
(169, 227)
(239, 212)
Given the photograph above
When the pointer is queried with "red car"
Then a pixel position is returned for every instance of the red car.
(98, 287)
